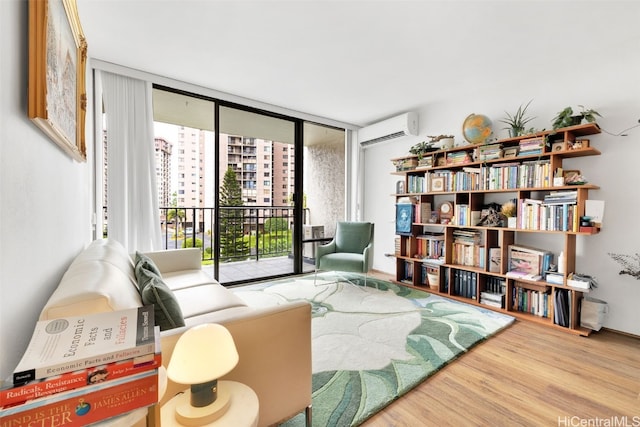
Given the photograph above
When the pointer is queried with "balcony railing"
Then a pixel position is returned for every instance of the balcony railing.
(246, 232)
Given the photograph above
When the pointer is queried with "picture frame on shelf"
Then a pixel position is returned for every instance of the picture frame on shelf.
(568, 175)
(578, 144)
(400, 187)
(437, 184)
(404, 218)
(57, 98)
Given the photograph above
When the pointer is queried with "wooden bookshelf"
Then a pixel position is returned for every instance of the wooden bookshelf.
(469, 186)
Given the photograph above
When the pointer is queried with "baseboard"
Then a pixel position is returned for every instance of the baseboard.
(615, 331)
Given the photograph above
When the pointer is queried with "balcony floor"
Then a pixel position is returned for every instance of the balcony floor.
(253, 270)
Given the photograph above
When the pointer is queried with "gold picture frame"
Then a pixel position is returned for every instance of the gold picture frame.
(437, 184)
(57, 101)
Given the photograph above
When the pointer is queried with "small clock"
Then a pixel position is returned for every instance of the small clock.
(446, 212)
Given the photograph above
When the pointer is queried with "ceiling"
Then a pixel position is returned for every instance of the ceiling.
(352, 61)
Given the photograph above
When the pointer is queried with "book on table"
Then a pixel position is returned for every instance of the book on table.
(11, 395)
(87, 405)
(79, 342)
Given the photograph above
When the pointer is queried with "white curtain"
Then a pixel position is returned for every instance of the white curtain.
(132, 200)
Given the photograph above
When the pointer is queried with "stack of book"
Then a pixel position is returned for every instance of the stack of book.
(458, 158)
(83, 369)
(494, 293)
(531, 146)
(492, 299)
(489, 152)
(561, 197)
(467, 248)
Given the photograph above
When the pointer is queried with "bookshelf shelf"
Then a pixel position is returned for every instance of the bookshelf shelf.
(475, 259)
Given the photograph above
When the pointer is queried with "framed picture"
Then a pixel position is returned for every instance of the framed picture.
(578, 144)
(437, 183)
(569, 175)
(404, 218)
(400, 187)
(57, 100)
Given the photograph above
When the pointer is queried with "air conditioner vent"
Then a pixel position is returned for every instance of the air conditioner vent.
(395, 127)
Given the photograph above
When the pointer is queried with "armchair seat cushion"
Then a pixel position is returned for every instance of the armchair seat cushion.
(342, 261)
(350, 249)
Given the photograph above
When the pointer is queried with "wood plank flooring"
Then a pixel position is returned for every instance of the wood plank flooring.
(529, 375)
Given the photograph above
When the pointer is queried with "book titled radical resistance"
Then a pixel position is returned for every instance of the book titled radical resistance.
(71, 343)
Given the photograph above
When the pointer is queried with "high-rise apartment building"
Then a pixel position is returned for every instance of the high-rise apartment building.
(163, 149)
(264, 169)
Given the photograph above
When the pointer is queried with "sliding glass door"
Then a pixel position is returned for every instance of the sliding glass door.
(257, 205)
(227, 183)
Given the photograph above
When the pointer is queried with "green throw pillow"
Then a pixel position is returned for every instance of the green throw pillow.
(167, 311)
(143, 266)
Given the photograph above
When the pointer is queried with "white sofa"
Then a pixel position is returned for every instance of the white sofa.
(274, 344)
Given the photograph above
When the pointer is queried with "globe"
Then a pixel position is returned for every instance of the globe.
(477, 128)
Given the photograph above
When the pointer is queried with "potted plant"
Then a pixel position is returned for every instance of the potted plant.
(567, 117)
(509, 210)
(517, 121)
(421, 148)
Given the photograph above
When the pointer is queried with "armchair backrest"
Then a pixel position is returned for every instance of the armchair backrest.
(353, 237)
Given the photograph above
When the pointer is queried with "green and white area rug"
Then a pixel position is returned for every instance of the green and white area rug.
(373, 344)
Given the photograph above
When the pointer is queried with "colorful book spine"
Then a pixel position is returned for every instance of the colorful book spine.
(87, 405)
(74, 380)
(79, 342)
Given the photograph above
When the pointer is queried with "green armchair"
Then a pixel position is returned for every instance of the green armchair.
(350, 249)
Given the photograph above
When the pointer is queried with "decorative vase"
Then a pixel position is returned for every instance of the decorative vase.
(446, 143)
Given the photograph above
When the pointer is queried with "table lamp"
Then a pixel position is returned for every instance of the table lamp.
(202, 354)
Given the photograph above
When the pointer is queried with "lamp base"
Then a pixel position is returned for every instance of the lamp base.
(191, 416)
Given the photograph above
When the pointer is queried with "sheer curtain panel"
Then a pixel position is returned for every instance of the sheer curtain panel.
(132, 200)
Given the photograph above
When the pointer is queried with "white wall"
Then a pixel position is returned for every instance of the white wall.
(44, 195)
(607, 81)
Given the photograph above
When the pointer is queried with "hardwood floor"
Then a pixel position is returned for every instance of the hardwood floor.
(529, 375)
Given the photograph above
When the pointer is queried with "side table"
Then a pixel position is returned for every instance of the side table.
(242, 411)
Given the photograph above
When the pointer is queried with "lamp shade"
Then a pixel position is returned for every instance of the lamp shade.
(203, 353)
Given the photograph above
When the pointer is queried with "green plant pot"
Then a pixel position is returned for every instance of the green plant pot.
(575, 120)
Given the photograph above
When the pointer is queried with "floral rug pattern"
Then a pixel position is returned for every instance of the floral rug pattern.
(372, 344)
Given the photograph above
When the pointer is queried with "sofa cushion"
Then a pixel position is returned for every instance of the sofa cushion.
(206, 298)
(167, 311)
(187, 279)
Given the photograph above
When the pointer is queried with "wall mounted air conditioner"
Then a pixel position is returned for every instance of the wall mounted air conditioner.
(395, 127)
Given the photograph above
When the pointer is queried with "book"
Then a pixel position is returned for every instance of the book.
(87, 405)
(12, 396)
(79, 342)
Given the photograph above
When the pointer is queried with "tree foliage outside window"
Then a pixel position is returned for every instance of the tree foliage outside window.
(233, 245)
(273, 225)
